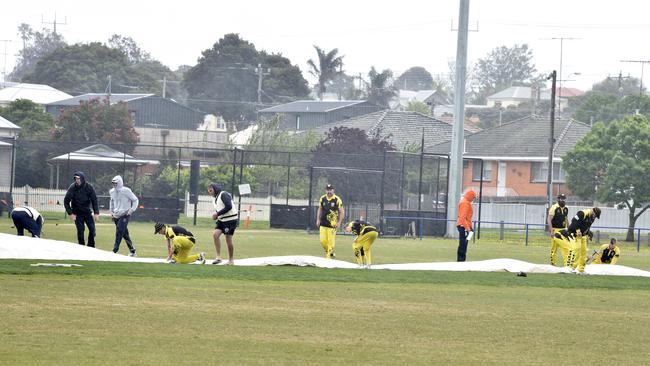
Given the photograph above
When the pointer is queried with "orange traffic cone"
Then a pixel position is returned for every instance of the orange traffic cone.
(248, 217)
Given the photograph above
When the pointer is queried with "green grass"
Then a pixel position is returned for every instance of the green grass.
(156, 314)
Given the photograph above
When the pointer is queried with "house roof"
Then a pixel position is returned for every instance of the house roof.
(525, 92)
(524, 139)
(114, 98)
(314, 106)
(6, 124)
(404, 128)
(101, 153)
(37, 93)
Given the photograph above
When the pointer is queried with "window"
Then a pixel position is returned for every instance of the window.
(539, 172)
(476, 171)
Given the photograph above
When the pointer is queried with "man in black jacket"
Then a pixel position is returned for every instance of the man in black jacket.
(77, 202)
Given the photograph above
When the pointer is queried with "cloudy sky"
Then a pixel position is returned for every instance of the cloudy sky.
(387, 34)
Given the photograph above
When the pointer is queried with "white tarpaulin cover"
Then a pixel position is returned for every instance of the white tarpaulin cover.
(23, 247)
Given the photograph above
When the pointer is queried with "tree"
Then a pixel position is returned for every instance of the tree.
(612, 164)
(605, 108)
(29, 116)
(85, 68)
(329, 65)
(416, 78)
(31, 163)
(134, 54)
(381, 91)
(504, 67)
(417, 106)
(35, 46)
(96, 121)
(225, 80)
(617, 86)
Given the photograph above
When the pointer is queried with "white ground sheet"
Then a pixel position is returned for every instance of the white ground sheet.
(23, 247)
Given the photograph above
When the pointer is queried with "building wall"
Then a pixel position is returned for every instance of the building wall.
(518, 181)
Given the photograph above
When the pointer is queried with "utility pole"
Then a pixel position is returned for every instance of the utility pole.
(561, 39)
(54, 23)
(457, 137)
(260, 74)
(4, 67)
(551, 141)
(642, 62)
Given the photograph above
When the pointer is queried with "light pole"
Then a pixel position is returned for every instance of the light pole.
(551, 141)
(642, 62)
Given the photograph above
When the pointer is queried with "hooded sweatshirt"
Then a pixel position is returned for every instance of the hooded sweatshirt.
(122, 199)
(223, 204)
(465, 211)
(80, 198)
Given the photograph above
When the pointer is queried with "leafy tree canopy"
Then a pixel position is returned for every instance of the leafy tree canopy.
(605, 108)
(417, 106)
(416, 78)
(326, 68)
(35, 46)
(96, 121)
(504, 67)
(225, 80)
(270, 137)
(85, 68)
(381, 90)
(612, 164)
(34, 123)
(354, 140)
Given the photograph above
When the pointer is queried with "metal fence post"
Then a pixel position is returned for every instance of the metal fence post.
(501, 229)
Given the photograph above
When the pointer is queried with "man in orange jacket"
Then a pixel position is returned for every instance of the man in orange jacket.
(464, 223)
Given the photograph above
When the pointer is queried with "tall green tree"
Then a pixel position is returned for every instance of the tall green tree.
(35, 46)
(225, 80)
(504, 67)
(599, 107)
(325, 68)
(416, 78)
(96, 121)
(34, 123)
(612, 164)
(381, 90)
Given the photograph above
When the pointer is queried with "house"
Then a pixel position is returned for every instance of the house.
(8, 132)
(404, 129)
(431, 98)
(159, 121)
(308, 114)
(515, 95)
(515, 156)
(37, 93)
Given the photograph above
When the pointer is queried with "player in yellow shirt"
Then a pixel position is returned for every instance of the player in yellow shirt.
(579, 229)
(179, 243)
(556, 222)
(328, 218)
(606, 254)
(366, 235)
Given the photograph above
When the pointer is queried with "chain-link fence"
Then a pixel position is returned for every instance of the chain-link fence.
(285, 186)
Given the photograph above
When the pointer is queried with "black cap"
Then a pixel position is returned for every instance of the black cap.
(157, 227)
(597, 212)
(561, 196)
(329, 186)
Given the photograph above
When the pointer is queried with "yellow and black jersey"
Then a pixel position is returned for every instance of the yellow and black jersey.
(360, 227)
(329, 214)
(173, 231)
(581, 221)
(559, 216)
(606, 255)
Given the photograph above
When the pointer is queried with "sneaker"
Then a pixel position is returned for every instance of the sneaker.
(202, 258)
(333, 255)
(367, 266)
(230, 263)
(217, 261)
(132, 254)
(171, 261)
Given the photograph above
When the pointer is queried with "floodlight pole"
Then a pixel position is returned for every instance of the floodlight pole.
(551, 141)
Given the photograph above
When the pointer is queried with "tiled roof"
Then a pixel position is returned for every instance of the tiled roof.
(525, 138)
(115, 98)
(404, 128)
(315, 106)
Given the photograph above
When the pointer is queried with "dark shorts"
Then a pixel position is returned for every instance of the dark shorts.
(227, 227)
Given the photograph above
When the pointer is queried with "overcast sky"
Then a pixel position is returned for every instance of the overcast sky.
(386, 34)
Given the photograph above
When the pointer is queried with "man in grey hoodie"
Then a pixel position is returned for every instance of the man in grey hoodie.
(123, 204)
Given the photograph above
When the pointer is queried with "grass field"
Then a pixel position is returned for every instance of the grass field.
(157, 314)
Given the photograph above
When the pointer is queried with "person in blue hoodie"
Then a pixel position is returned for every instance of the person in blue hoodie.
(28, 218)
(123, 203)
(80, 203)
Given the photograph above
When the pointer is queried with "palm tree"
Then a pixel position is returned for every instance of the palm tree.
(380, 91)
(329, 66)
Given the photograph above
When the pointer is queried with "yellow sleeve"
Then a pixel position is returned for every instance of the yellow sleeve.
(618, 253)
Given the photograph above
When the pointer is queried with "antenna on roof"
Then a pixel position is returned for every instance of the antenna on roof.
(54, 23)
